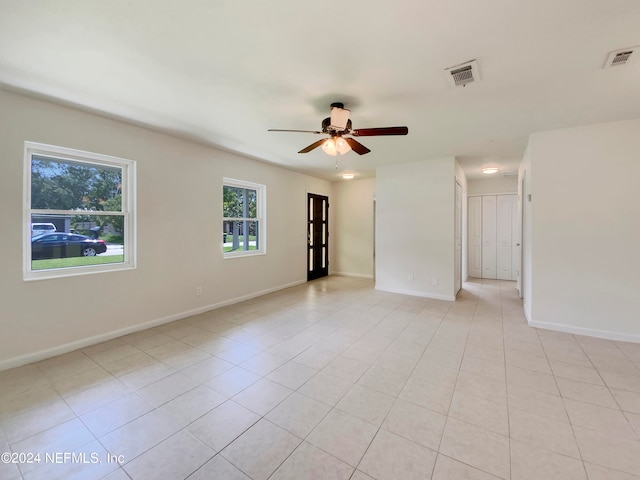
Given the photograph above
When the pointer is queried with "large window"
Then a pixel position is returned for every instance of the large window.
(243, 226)
(78, 214)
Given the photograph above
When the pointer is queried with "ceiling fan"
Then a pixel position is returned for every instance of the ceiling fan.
(337, 126)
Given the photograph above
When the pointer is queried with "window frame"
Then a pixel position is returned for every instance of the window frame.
(261, 214)
(128, 209)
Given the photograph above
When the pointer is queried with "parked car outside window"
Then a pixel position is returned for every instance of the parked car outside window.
(63, 245)
(40, 228)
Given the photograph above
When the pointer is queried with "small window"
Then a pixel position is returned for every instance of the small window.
(243, 225)
(79, 212)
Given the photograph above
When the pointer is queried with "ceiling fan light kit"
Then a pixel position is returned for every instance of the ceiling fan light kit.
(337, 126)
(334, 145)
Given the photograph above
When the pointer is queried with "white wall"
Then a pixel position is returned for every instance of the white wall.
(585, 230)
(352, 214)
(179, 230)
(415, 228)
(492, 185)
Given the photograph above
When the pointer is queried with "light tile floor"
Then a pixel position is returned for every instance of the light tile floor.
(332, 380)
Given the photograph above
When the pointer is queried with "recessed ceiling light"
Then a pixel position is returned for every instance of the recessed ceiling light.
(490, 170)
(348, 176)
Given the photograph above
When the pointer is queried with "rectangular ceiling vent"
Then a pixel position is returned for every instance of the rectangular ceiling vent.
(619, 57)
(461, 75)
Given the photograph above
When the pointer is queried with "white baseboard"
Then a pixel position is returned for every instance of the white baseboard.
(353, 275)
(103, 337)
(589, 332)
(415, 293)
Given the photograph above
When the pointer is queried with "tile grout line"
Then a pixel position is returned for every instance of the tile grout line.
(506, 383)
(555, 380)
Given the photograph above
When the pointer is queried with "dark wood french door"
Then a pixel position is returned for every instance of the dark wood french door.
(317, 236)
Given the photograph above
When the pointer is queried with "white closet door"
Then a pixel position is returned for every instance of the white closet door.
(506, 205)
(489, 237)
(475, 237)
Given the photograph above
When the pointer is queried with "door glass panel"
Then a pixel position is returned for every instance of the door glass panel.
(310, 260)
(311, 209)
(311, 234)
(324, 257)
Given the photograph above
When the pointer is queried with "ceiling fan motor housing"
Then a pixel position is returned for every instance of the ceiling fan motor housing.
(331, 130)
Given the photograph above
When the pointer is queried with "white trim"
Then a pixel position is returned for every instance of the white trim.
(415, 293)
(234, 182)
(589, 332)
(103, 337)
(73, 154)
(490, 194)
(242, 253)
(240, 219)
(93, 213)
(353, 275)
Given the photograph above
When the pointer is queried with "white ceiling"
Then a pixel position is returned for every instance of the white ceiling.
(223, 72)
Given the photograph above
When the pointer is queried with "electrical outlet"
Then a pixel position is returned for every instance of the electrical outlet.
(435, 281)
(198, 291)
(411, 278)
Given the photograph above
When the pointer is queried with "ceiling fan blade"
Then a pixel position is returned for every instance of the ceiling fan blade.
(300, 131)
(339, 116)
(372, 132)
(357, 146)
(312, 146)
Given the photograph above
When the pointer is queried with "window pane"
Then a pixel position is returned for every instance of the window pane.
(234, 236)
(60, 241)
(239, 202)
(65, 185)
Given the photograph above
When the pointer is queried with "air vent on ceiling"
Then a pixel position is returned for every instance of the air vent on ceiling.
(461, 75)
(620, 57)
